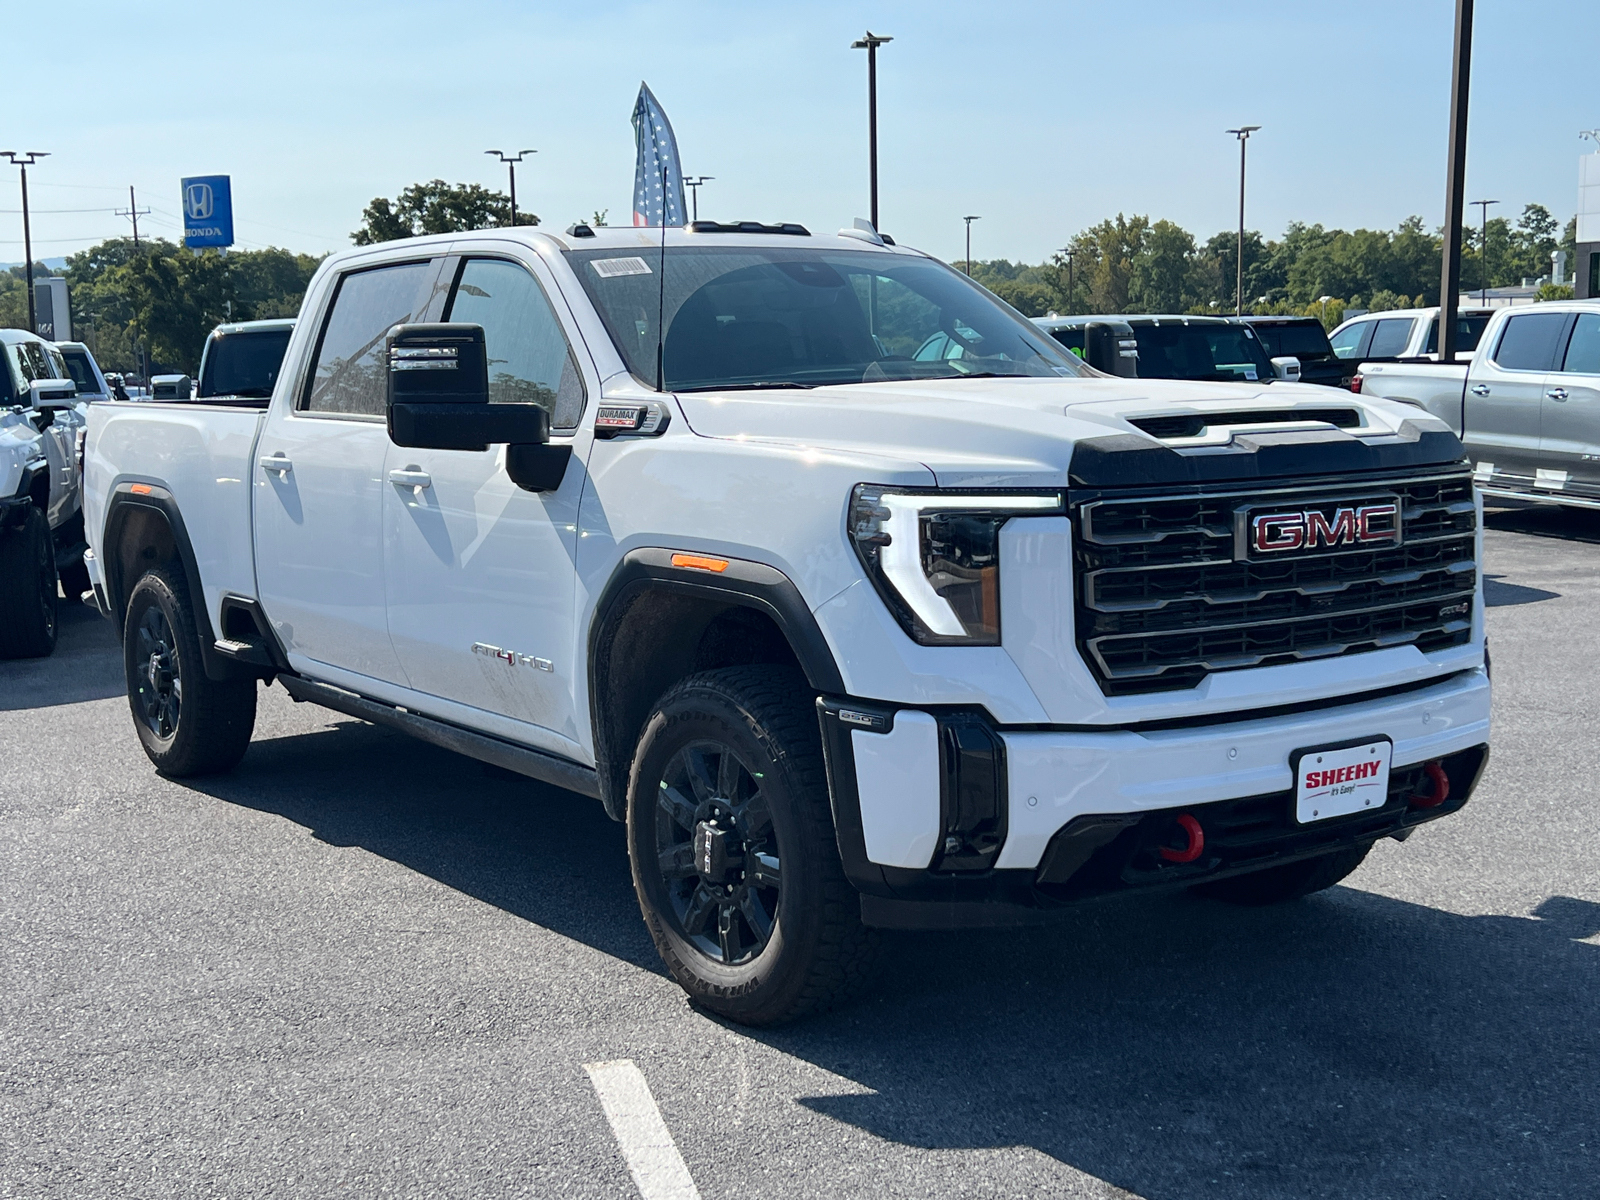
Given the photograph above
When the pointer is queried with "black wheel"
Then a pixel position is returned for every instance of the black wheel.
(27, 588)
(188, 723)
(1288, 882)
(734, 860)
(75, 581)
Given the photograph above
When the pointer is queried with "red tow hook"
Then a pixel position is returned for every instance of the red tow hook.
(1440, 791)
(1197, 841)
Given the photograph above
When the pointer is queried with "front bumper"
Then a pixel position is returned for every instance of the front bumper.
(948, 809)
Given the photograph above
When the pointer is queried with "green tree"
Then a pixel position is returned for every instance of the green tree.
(436, 207)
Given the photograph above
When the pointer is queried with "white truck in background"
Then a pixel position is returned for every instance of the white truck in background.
(679, 521)
(1527, 405)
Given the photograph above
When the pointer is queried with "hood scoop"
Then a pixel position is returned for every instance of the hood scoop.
(1219, 428)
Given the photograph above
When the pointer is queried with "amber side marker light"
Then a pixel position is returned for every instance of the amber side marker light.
(700, 562)
(140, 489)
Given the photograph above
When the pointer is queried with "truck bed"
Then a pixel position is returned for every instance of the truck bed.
(1439, 388)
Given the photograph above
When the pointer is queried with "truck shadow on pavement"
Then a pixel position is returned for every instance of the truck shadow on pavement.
(1348, 1045)
(1546, 520)
(86, 665)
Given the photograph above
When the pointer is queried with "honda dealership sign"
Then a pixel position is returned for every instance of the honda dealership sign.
(207, 211)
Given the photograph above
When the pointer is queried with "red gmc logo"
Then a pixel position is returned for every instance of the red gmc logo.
(1313, 529)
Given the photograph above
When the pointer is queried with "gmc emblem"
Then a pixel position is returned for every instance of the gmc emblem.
(1327, 527)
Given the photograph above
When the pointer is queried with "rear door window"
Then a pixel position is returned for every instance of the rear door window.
(1351, 341)
(1530, 342)
(350, 377)
(529, 359)
(1469, 329)
(1583, 350)
(1389, 339)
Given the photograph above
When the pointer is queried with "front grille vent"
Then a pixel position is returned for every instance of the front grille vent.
(1168, 593)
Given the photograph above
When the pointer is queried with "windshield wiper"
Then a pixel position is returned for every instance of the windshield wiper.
(763, 385)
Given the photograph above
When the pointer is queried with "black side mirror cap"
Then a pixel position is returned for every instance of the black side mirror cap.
(1111, 346)
(438, 392)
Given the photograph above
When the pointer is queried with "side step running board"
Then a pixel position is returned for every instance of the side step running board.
(535, 764)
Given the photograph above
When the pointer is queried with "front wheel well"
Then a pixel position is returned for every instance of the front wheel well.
(648, 641)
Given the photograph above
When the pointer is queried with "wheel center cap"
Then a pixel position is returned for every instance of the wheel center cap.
(714, 852)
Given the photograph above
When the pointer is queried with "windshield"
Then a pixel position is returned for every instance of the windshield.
(1201, 351)
(80, 370)
(739, 317)
(1302, 340)
(243, 364)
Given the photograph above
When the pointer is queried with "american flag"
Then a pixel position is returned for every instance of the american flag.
(657, 174)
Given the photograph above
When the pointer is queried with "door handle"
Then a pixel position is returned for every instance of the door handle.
(1480, 389)
(411, 477)
(1557, 393)
(275, 462)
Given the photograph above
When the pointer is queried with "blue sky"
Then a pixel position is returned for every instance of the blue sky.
(1043, 118)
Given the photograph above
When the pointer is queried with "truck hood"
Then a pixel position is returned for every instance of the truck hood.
(1037, 432)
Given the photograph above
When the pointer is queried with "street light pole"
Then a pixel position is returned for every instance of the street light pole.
(1067, 250)
(511, 162)
(1455, 187)
(969, 221)
(1243, 134)
(693, 183)
(1323, 317)
(24, 161)
(1483, 251)
(870, 44)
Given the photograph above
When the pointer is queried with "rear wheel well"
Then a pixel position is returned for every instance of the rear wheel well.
(141, 539)
(649, 641)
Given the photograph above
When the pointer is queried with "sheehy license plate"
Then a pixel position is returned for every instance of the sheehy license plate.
(1338, 782)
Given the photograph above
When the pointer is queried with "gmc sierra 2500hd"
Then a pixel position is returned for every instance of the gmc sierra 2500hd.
(850, 637)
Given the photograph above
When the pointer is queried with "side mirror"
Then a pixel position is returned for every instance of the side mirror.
(438, 399)
(1110, 346)
(52, 393)
(1286, 369)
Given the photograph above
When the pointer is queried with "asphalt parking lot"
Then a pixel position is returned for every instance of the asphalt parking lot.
(362, 966)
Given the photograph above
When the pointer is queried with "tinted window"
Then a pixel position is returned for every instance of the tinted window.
(1303, 340)
(763, 316)
(1468, 330)
(80, 370)
(1529, 342)
(349, 375)
(244, 364)
(1350, 342)
(1389, 338)
(1071, 337)
(1224, 352)
(34, 363)
(529, 360)
(1583, 351)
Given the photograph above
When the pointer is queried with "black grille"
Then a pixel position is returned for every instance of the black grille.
(1165, 594)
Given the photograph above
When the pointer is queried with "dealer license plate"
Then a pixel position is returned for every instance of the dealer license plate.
(1340, 781)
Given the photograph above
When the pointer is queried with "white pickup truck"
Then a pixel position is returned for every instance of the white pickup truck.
(850, 640)
(1527, 406)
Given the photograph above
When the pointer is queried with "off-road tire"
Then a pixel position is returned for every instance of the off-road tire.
(1288, 882)
(27, 588)
(208, 729)
(817, 951)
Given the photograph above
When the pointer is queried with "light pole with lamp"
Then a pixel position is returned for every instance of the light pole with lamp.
(969, 221)
(1483, 249)
(511, 161)
(1243, 134)
(870, 44)
(693, 182)
(24, 161)
(1068, 251)
(1323, 317)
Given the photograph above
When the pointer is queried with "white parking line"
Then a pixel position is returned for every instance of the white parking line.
(652, 1157)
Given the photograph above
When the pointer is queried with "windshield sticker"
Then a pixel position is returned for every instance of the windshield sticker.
(611, 268)
(1250, 374)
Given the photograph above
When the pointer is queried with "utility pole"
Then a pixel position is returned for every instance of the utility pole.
(511, 162)
(1455, 183)
(693, 183)
(1483, 251)
(969, 221)
(24, 161)
(870, 44)
(135, 212)
(1243, 134)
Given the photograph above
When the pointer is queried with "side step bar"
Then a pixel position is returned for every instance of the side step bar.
(535, 764)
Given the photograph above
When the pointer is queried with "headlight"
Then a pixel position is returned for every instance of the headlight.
(935, 557)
